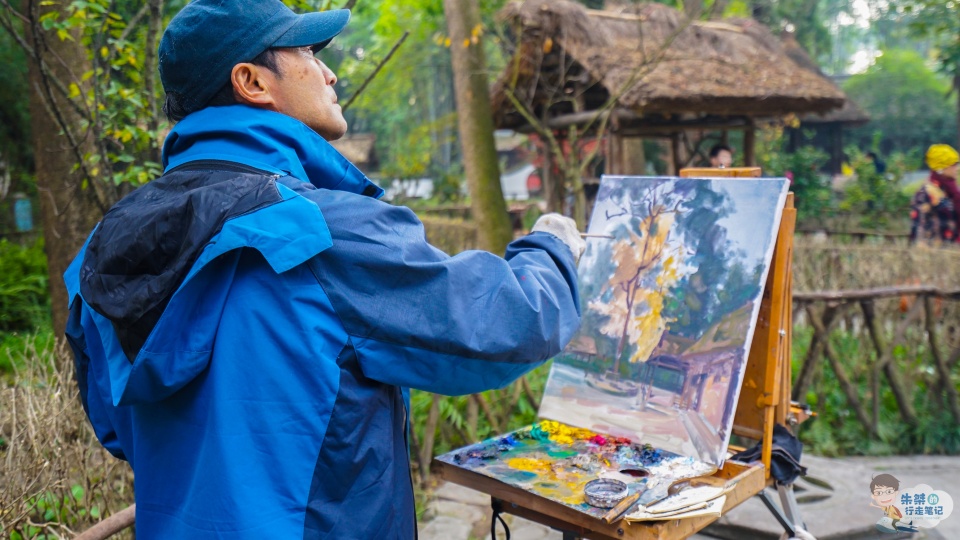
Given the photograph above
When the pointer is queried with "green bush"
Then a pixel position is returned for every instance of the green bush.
(877, 198)
(835, 431)
(24, 298)
(18, 349)
(813, 196)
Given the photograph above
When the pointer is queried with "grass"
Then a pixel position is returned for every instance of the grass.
(19, 349)
(55, 479)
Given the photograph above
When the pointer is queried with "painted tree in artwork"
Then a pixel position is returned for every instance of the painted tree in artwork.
(667, 233)
(634, 303)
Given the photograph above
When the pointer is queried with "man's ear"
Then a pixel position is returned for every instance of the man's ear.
(252, 85)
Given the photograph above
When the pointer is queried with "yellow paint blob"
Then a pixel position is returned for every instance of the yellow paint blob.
(529, 464)
(563, 434)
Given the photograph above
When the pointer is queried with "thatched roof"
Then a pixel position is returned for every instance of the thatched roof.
(850, 113)
(730, 68)
(359, 149)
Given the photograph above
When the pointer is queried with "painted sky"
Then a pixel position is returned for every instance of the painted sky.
(747, 225)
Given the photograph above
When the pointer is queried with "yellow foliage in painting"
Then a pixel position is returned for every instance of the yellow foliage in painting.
(670, 273)
(641, 252)
(635, 312)
(650, 326)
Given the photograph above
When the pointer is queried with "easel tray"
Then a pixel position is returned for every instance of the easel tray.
(742, 482)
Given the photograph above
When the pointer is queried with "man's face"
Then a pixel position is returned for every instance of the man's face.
(884, 495)
(723, 159)
(305, 92)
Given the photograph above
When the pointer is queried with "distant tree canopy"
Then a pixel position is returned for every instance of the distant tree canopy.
(410, 105)
(15, 148)
(907, 101)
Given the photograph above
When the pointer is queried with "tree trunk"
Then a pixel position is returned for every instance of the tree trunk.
(552, 181)
(150, 72)
(475, 122)
(68, 208)
(693, 8)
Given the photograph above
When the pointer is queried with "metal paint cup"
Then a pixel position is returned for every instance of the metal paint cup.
(605, 492)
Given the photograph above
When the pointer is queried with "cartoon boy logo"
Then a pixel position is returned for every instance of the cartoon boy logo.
(884, 489)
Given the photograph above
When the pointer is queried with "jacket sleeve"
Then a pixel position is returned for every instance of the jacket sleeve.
(452, 325)
(103, 417)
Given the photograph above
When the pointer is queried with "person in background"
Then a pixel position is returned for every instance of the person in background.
(933, 209)
(878, 163)
(721, 156)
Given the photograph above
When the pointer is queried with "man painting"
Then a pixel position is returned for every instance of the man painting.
(246, 327)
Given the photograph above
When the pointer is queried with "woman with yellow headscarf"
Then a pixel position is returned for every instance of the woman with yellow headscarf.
(934, 207)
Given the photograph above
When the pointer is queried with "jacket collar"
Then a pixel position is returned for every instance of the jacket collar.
(266, 140)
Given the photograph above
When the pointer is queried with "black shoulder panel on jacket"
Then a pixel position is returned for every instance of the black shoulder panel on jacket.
(147, 243)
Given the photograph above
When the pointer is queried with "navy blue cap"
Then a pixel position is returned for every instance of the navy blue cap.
(208, 37)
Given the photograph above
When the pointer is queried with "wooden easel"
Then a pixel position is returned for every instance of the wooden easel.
(764, 401)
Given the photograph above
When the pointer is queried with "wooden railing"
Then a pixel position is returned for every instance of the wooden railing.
(918, 324)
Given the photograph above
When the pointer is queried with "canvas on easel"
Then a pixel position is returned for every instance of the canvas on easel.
(541, 472)
(670, 284)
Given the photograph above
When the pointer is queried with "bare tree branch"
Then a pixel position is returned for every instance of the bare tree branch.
(376, 70)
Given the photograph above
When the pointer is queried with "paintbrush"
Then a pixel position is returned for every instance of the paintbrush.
(594, 235)
(622, 508)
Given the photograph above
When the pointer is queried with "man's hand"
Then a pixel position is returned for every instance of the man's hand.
(563, 228)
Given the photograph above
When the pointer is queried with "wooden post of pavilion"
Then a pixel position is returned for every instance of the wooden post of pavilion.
(750, 146)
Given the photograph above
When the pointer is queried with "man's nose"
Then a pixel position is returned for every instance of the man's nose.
(328, 75)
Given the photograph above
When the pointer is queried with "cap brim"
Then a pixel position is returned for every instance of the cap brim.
(314, 29)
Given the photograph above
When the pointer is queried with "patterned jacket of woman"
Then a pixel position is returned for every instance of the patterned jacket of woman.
(933, 215)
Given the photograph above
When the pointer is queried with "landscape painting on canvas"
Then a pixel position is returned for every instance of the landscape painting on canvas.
(670, 293)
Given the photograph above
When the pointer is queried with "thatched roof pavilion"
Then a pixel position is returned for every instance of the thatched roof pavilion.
(671, 74)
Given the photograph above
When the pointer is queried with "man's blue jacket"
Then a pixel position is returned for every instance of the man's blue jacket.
(246, 326)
